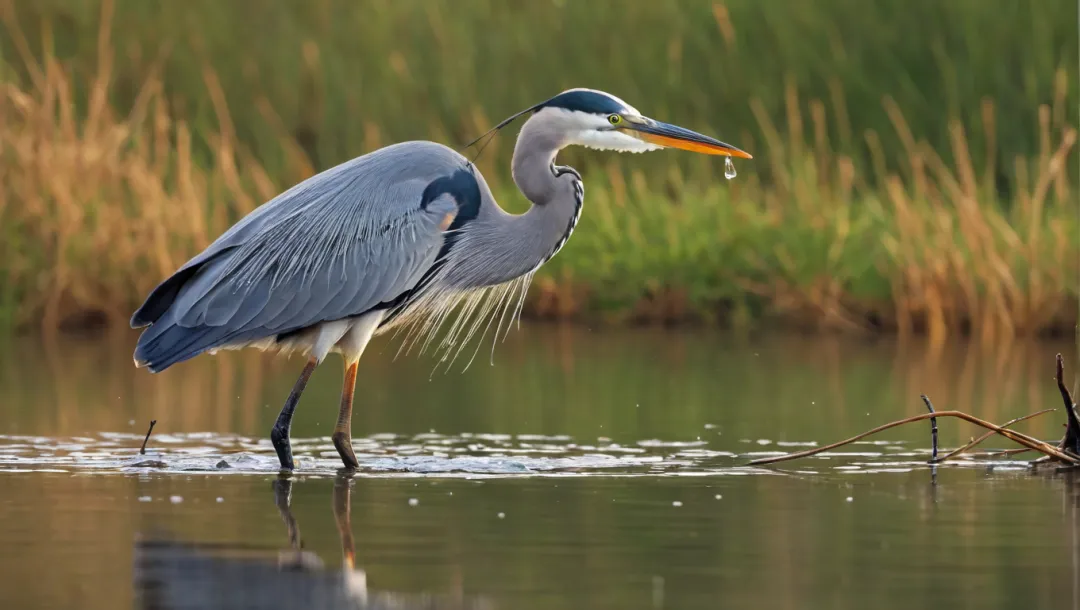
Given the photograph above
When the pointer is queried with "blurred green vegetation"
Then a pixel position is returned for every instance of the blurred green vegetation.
(914, 161)
(344, 76)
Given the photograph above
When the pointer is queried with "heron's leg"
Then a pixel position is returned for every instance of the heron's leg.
(342, 493)
(343, 430)
(279, 434)
(283, 501)
(352, 346)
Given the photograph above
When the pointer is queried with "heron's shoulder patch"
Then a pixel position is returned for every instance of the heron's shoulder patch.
(463, 187)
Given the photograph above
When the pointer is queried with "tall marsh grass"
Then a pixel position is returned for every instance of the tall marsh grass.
(111, 177)
(344, 76)
(97, 206)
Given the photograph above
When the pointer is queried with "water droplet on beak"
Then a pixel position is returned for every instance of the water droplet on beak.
(729, 168)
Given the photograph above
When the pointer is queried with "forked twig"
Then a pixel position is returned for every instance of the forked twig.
(1016, 437)
(987, 435)
(1067, 450)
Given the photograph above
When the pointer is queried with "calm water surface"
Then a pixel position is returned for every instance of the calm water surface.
(585, 469)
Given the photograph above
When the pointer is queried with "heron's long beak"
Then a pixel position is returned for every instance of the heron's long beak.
(664, 134)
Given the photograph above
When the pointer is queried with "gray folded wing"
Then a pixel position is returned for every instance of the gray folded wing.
(337, 245)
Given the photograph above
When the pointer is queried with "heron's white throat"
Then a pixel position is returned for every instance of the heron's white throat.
(612, 139)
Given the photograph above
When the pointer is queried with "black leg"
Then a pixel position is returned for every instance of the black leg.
(283, 501)
(295, 558)
(279, 434)
(342, 436)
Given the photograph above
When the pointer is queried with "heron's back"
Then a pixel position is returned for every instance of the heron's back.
(349, 240)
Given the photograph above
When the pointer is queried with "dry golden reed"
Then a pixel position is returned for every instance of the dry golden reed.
(100, 203)
(98, 206)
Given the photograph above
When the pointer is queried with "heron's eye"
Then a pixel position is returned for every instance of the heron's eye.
(614, 119)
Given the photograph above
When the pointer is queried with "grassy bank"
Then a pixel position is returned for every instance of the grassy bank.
(864, 207)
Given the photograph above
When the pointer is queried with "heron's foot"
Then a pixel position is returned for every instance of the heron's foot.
(343, 444)
(279, 436)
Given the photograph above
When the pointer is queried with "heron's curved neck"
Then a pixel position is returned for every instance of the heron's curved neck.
(500, 246)
(534, 156)
(557, 197)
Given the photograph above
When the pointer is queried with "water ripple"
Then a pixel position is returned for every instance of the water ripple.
(437, 455)
(429, 454)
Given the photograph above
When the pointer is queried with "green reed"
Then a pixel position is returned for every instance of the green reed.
(344, 76)
(905, 176)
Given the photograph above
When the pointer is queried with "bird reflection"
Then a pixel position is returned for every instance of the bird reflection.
(176, 575)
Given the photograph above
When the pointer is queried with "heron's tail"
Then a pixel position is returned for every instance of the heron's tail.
(188, 314)
(166, 343)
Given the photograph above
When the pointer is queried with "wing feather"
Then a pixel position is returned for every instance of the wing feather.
(335, 246)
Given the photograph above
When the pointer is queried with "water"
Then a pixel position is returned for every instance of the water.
(729, 168)
(586, 469)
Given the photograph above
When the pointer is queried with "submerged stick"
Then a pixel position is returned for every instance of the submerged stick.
(933, 429)
(1016, 437)
(142, 450)
(1008, 452)
(987, 435)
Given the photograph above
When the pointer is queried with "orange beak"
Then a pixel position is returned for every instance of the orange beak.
(673, 136)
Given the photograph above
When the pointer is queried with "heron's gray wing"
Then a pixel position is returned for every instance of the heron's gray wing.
(337, 245)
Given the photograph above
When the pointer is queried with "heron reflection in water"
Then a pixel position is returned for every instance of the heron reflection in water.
(171, 575)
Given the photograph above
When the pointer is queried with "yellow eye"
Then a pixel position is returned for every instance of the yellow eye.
(614, 119)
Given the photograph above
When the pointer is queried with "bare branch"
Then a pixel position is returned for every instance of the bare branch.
(1071, 442)
(1016, 437)
(992, 433)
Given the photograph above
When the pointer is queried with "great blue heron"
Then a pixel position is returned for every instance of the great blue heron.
(399, 236)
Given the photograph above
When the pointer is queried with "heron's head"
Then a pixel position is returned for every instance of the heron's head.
(599, 120)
